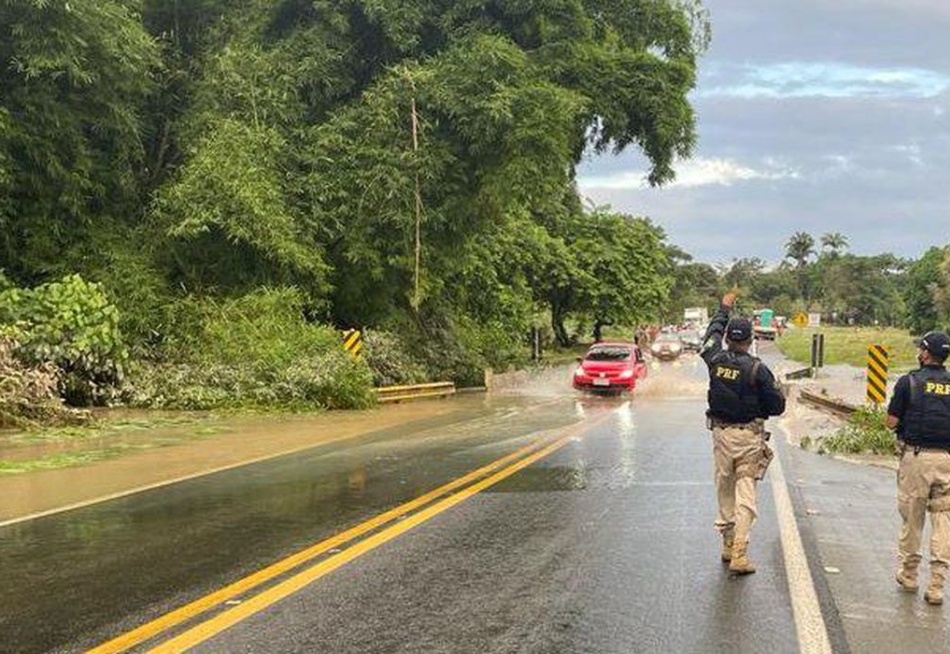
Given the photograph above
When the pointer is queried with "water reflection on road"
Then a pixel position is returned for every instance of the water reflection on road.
(110, 566)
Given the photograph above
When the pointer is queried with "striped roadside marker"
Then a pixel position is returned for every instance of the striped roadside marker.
(877, 373)
(353, 343)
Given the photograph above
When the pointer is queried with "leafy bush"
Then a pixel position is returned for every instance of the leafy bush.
(328, 381)
(28, 395)
(266, 326)
(390, 361)
(72, 325)
(865, 432)
(251, 351)
(461, 350)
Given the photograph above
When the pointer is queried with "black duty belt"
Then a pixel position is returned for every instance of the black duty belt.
(722, 424)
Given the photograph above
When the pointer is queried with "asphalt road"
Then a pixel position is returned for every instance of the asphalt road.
(594, 534)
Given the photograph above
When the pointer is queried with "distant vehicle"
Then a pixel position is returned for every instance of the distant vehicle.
(691, 339)
(763, 324)
(610, 367)
(696, 317)
(667, 346)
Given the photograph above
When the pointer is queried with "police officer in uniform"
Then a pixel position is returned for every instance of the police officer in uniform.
(742, 395)
(919, 410)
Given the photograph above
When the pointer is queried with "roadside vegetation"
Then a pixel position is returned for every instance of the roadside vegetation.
(849, 345)
(863, 433)
(207, 194)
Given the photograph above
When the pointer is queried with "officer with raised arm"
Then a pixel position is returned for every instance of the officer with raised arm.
(742, 395)
(919, 410)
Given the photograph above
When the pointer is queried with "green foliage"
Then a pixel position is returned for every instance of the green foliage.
(266, 327)
(924, 286)
(864, 433)
(849, 345)
(80, 72)
(72, 325)
(255, 350)
(321, 380)
(390, 361)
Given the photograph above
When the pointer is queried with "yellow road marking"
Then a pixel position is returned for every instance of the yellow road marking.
(129, 639)
(229, 618)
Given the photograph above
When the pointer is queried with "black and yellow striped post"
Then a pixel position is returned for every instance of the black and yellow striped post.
(877, 373)
(353, 342)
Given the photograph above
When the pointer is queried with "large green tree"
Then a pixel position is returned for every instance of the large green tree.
(73, 81)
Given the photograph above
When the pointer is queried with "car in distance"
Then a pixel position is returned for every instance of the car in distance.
(610, 367)
(691, 339)
(667, 346)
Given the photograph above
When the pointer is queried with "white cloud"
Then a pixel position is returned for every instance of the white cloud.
(820, 79)
(693, 173)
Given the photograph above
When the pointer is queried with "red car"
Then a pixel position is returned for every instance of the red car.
(610, 367)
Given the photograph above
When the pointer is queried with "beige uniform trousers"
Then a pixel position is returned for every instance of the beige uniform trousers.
(923, 484)
(736, 452)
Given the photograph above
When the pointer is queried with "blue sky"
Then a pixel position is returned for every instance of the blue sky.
(813, 115)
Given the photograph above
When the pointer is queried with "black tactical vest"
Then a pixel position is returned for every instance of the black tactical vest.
(732, 393)
(927, 420)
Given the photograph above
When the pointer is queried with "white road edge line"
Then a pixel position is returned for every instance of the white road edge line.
(809, 623)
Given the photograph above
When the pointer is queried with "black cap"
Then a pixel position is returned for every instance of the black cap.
(739, 329)
(937, 343)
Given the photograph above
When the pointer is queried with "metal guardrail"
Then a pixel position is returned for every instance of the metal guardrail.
(386, 394)
(835, 406)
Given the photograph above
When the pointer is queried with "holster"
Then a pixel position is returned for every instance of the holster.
(765, 459)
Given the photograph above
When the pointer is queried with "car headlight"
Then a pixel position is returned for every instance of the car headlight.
(625, 374)
(579, 372)
(675, 347)
(655, 349)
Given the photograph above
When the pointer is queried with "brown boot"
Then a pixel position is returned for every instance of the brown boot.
(740, 564)
(728, 539)
(934, 593)
(907, 580)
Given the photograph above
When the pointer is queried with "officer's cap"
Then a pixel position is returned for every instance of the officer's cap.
(937, 343)
(739, 329)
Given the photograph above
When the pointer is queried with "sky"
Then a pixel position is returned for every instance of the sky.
(820, 116)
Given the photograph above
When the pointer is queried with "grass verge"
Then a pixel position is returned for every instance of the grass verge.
(849, 345)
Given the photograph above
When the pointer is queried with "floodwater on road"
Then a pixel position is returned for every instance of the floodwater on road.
(111, 565)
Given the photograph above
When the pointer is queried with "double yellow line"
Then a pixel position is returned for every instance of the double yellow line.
(470, 484)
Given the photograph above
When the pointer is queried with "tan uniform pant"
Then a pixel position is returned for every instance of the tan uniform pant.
(736, 453)
(923, 484)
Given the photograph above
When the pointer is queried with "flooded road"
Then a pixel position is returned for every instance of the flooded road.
(612, 528)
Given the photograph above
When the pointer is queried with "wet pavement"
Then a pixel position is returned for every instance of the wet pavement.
(604, 546)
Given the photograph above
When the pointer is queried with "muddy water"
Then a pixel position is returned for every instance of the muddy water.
(110, 565)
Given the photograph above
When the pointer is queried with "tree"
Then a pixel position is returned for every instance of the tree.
(834, 242)
(74, 77)
(799, 247)
(925, 286)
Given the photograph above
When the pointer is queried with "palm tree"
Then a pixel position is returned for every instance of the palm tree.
(799, 247)
(835, 242)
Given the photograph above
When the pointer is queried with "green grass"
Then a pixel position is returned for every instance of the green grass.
(849, 345)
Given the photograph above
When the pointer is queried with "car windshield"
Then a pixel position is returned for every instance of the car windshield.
(608, 354)
(690, 336)
(667, 337)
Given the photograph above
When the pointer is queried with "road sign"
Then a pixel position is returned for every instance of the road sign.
(800, 319)
(353, 342)
(814, 320)
(877, 373)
